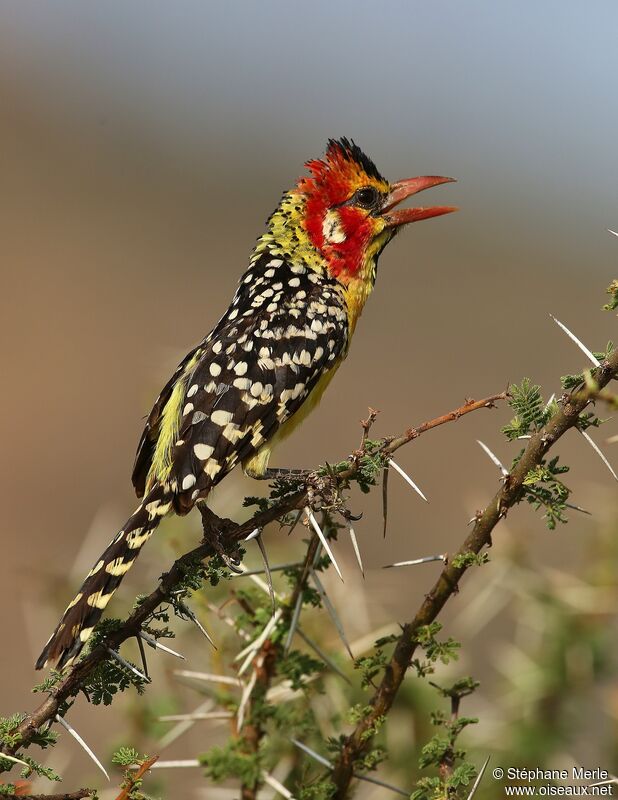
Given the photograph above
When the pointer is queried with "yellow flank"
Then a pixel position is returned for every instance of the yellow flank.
(168, 429)
(256, 465)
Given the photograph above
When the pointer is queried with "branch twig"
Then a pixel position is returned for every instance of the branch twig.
(78, 795)
(359, 741)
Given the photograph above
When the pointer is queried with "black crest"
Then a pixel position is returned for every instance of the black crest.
(349, 150)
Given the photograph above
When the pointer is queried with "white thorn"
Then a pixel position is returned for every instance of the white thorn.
(245, 699)
(550, 401)
(277, 786)
(183, 726)
(208, 676)
(356, 548)
(254, 646)
(325, 763)
(253, 534)
(158, 646)
(263, 586)
(378, 782)
(407, 478)
(578, 508)
(180, 763)
(247, 573)
(479, 778)
(80, 741)
(322, 654)
(525, 436)
(194, 717)
(283, 691)
(185, 608)
(494, 458)
(610, 780)
(574, 338)
(332, 612)
(293, 622)
(16, 760)
(425, 560)
(128, 666)
(609, 230)
(269, 577)
(599, 453)
(323, 539)
(320, 759)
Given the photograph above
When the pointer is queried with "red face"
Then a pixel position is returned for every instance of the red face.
(350, 208)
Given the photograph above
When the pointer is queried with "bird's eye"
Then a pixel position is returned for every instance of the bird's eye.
(367, 197)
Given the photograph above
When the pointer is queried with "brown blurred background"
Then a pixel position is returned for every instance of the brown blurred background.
(143, 145)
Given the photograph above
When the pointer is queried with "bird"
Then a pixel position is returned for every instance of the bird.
(264, 366)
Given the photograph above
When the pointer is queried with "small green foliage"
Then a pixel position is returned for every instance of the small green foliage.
(131, 783)
(358, 712)
(374, 728)
(570, 382)
(195, 571)
(280, 489)
(469, 559)
(370, 760)
(107, 679)
(589, 420)
(370, 465)
(8, 729)
(104, 628)
(232, 761)
(297, 667)
(530, 410)
(10, 738)
(542, 489)
(462, 687)
(7, 789)
(612, 291)
(49, 682)
(442, 751)
(45, 737)
(321, 789)
(38, 769)
(127, 756)
(435, 650)
(370, 666)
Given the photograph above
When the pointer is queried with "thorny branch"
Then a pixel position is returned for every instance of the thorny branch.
(78, 795)
(572, 405)
(265, 666)
(132, 780)
(229, 535)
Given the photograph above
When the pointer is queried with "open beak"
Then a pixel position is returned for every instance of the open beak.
(403, 189)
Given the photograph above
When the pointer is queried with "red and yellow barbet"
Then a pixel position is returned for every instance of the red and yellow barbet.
(265, 364)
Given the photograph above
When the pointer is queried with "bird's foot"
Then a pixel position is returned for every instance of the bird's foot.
(214, 528)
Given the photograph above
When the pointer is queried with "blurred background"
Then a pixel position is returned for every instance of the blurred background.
(143, 145)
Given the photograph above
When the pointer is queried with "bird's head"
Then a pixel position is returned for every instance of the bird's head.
(340, 217)
(350, 212)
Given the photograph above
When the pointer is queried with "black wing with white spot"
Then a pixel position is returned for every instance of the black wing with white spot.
(286, 329)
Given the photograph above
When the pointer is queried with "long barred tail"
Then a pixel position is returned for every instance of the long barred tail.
(84, 611)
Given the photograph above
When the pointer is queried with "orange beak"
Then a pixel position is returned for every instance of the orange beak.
(403, 189)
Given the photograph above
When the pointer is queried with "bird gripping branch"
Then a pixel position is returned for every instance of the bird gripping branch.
(266, 363)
